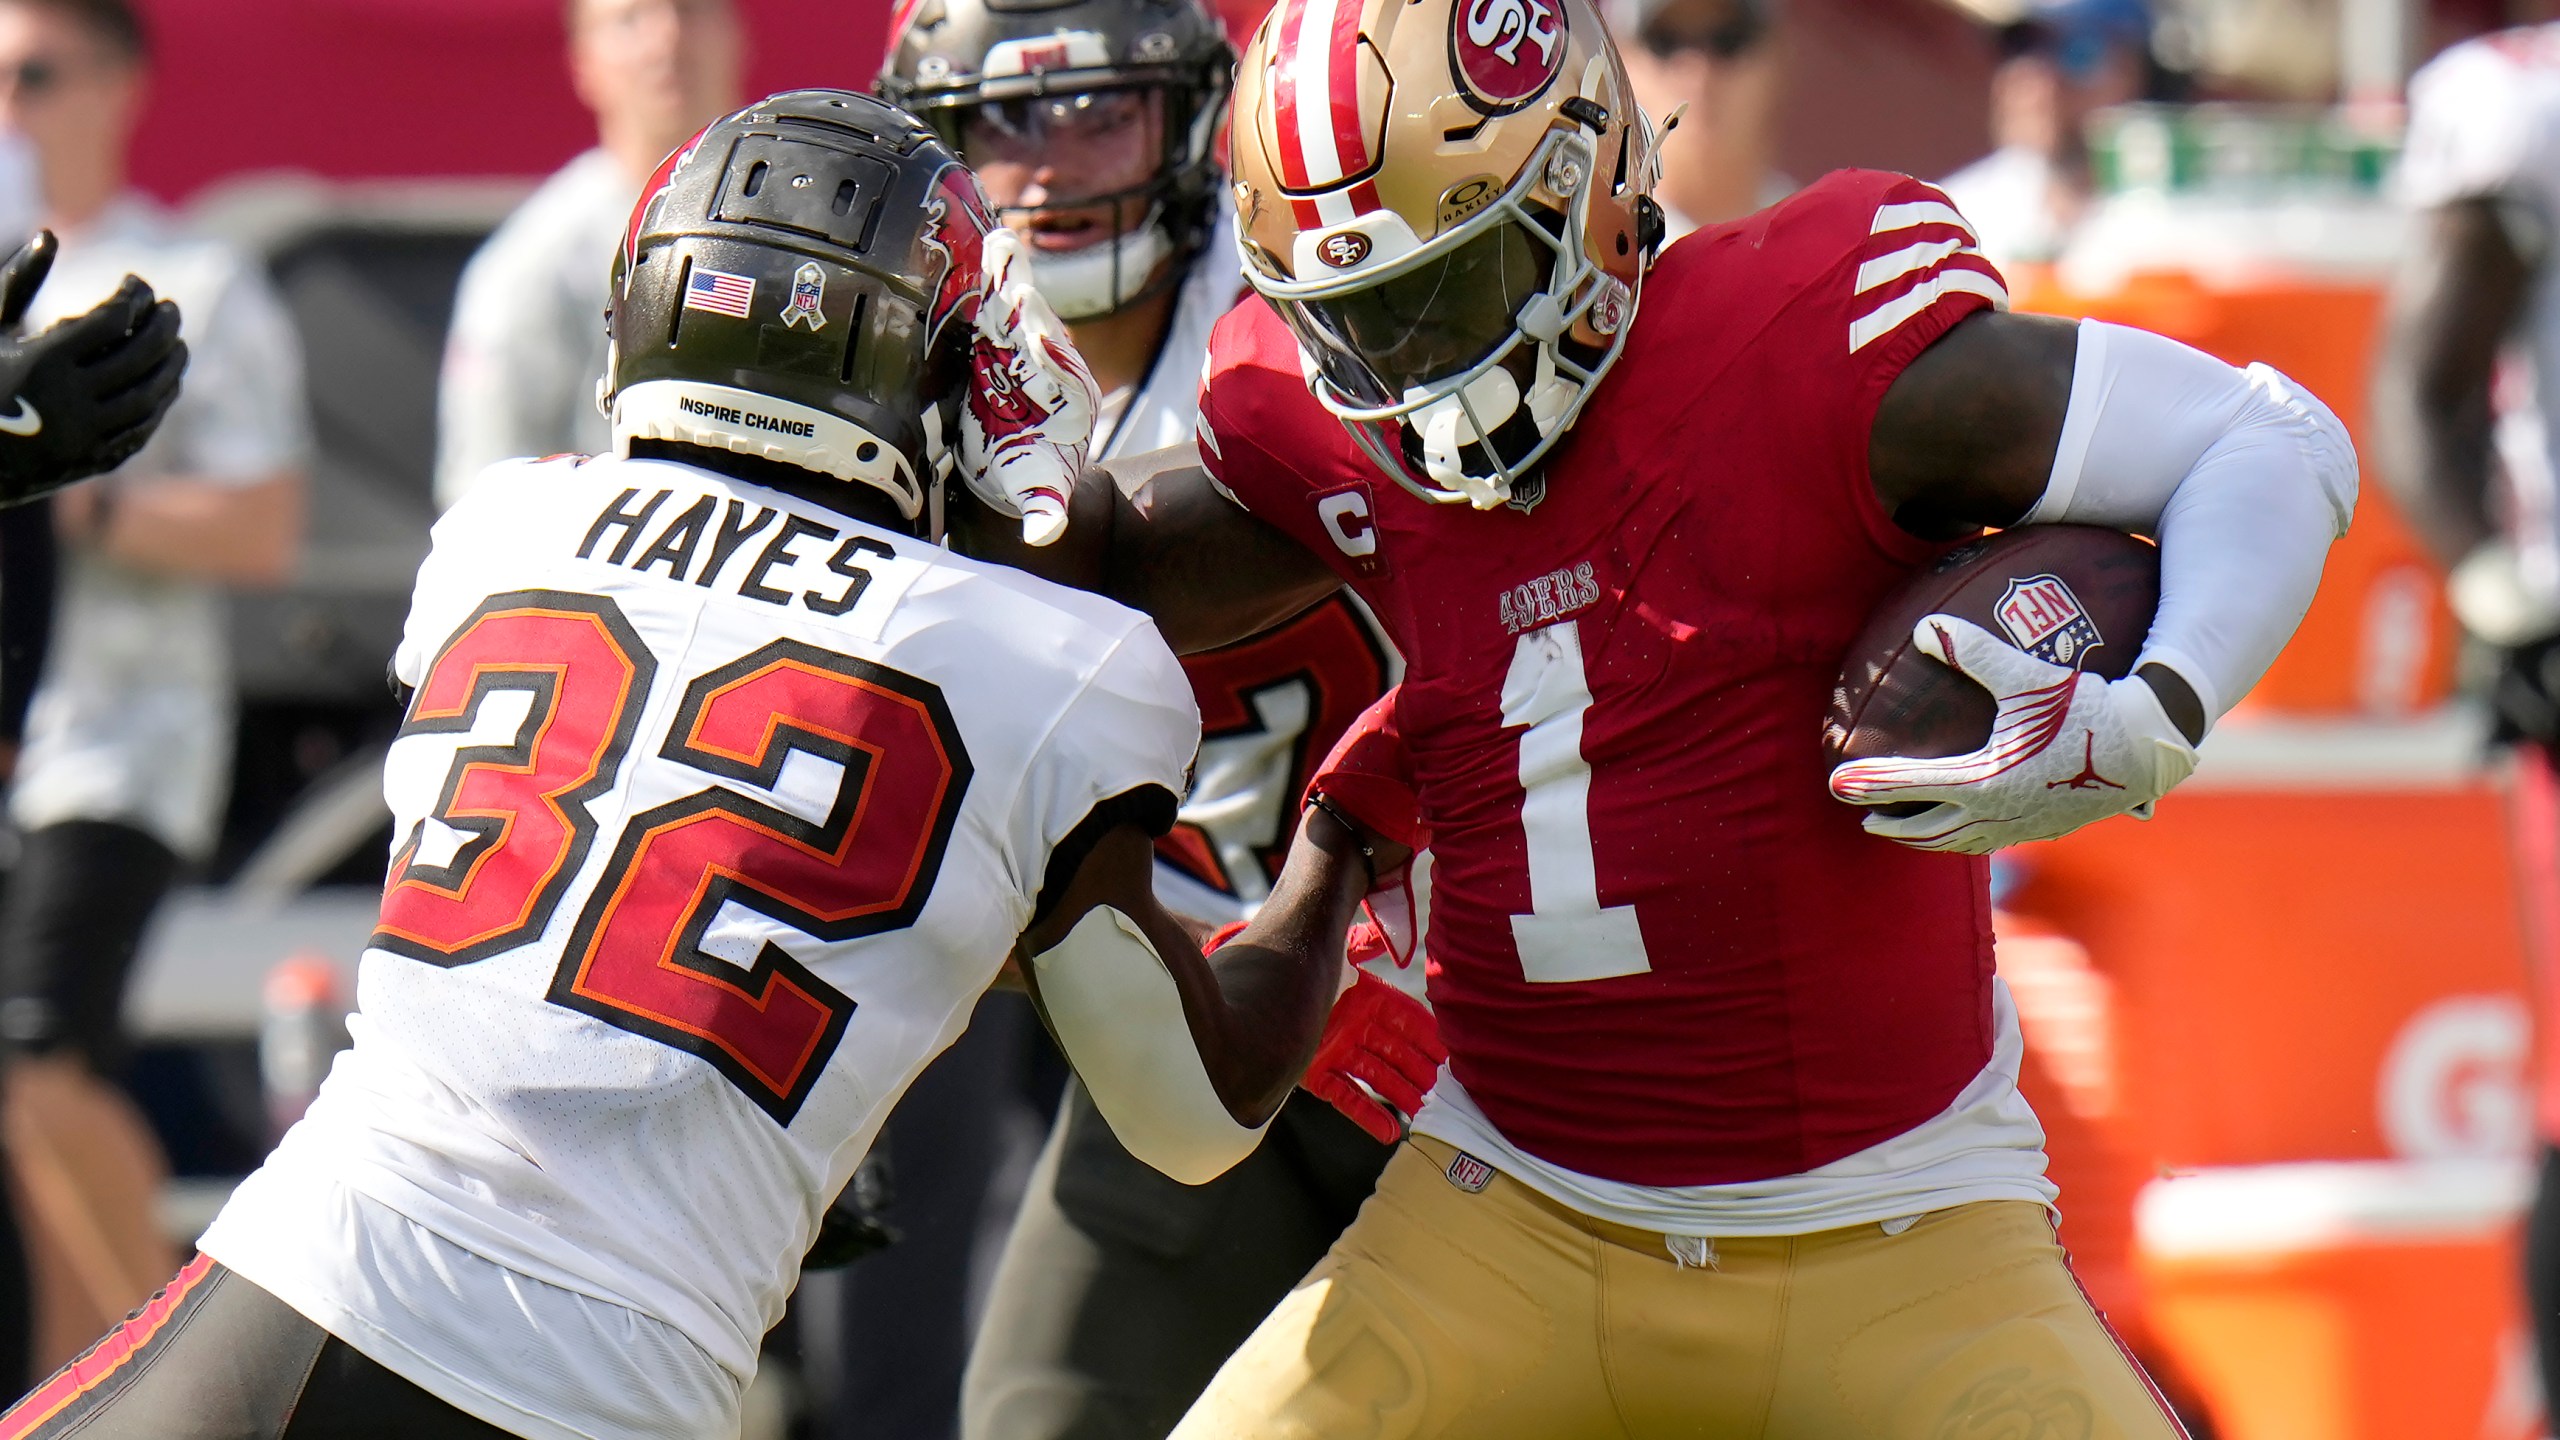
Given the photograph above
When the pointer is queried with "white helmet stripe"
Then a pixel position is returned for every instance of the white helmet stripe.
(1313, 63)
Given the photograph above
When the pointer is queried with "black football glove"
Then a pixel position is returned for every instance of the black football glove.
(852, 1228)
(81, 398)
(2524, 693)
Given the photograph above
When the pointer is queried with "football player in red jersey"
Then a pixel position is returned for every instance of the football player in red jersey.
(1730, 1140)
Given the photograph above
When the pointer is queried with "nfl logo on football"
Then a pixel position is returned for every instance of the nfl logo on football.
(2046, 620)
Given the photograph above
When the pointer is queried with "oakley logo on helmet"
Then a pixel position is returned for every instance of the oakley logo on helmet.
(1344, 250)
(1506, 51)
(2046, 620)
(808, 293)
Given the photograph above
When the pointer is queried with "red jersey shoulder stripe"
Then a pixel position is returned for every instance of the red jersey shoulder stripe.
(1919, 252)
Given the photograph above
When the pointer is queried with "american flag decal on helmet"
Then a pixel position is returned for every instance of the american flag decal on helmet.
(1919, 251)
(1324, 143)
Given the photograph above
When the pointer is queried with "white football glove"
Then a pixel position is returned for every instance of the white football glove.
(1029, 419)
(2066, 749)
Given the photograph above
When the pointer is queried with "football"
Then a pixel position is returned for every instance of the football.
(2077, 595)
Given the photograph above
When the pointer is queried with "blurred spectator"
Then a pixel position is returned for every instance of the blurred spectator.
(528, 339)
(2466, 413)
(129, 742)
(1724, 61)
(2066, 59)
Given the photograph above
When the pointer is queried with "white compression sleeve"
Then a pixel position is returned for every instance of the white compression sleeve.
(1118, 1016)
(2242, 476)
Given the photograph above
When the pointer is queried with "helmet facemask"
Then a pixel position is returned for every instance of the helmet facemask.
(1474, 350)
(1139, 256)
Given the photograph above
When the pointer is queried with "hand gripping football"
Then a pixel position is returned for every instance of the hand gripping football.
(2076, 595)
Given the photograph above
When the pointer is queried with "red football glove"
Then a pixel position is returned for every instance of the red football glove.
(1382, 1038)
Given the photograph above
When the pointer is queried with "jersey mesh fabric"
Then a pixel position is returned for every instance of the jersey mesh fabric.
(571, 1145)
(1790, 990)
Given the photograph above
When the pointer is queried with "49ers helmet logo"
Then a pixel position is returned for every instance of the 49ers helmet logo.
(1343, 250)
(1505, 53)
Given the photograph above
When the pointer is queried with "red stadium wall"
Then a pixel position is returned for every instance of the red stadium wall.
(359, 88)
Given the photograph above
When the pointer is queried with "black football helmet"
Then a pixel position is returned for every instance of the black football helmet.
(949, 58)
(798, 283)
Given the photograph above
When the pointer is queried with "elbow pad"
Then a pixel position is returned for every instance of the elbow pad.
(1116, 1013)
(2244, 478)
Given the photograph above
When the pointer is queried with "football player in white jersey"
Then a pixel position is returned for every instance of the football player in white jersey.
(723, 795)
(2466, 405)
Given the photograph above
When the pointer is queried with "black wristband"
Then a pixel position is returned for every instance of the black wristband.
(1368, 852)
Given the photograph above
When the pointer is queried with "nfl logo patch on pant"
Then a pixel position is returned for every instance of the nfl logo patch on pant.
(1470, 1174)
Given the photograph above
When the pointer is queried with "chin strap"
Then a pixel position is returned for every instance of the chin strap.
(1099, 279)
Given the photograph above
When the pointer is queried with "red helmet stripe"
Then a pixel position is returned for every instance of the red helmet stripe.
(901, 18)
(1342, 82)
(1319, 90)
(649, 193)
(1284, 90)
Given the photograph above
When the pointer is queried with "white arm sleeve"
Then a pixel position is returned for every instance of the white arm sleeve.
(2242, 476)
(1116, 1013)
(1108, 996)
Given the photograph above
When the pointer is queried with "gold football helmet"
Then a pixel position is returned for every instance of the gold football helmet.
(1450, 202)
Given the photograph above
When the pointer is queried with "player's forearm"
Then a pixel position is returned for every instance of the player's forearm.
(2434, 437)
(1207, 572)
(245, 535)
(1278, 980)
(2456, 297)
(2243, 477)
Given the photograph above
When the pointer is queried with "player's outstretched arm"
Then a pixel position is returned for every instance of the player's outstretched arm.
(1152, 533)
(2244, 479)
(2458, 294)
(1189, 1056)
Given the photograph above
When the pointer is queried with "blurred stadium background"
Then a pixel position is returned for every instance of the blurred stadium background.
(2281, 1033)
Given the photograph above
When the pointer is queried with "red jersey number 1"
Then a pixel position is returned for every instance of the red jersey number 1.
(1567, 936)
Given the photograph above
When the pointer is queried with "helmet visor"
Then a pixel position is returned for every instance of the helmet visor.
(1437, 320)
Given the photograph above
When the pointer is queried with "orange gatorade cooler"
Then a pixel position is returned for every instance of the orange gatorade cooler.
(2360, 1300)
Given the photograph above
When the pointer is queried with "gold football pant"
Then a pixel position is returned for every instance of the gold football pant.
(1499, 1315)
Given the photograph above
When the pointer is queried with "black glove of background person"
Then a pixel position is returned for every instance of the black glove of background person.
(82, 397)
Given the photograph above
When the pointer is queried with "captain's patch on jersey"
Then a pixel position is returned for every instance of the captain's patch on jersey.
(720, 292)
(2043, 618)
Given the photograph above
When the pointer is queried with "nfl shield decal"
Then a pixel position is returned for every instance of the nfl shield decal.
(2043, 618)
(1505, 53)
(1469, 1173)
(808, 292)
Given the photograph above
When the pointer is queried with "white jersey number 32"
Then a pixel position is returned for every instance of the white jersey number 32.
(634, 960)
